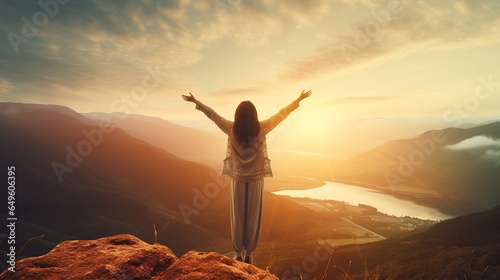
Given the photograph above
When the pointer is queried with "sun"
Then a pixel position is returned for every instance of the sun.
(309, 130)
(311, 125)
(311, 121)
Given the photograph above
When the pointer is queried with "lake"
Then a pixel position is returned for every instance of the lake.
(359, 195)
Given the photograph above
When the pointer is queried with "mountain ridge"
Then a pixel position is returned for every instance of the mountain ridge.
(423, 164)
(165, 135)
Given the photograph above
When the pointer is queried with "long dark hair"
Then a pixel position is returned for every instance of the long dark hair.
(246, 124)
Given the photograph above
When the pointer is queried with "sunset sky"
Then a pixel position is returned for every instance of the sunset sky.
(364, 60)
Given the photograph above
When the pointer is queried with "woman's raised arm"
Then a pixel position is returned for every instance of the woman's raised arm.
(189, 98)
(273, 121)
(304, 94)
(224, 124)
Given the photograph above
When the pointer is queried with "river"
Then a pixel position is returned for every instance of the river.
(384, 203)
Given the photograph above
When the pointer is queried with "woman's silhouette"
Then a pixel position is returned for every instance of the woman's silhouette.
(247, 164)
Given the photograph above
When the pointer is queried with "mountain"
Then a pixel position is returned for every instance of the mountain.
(185, 142)
(464, 247)
(78, 179)
(127, 257)
(431, 170)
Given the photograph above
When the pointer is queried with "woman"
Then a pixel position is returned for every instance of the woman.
(247, 164)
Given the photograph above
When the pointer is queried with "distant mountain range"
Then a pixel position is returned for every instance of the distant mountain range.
(188, 143)
(425, 168)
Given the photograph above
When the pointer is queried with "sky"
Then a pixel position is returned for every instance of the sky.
(372, 65)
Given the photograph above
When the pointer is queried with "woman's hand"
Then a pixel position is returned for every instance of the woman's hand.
(189, 98)
(304, 94)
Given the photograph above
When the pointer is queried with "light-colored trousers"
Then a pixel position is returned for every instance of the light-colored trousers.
(246, 215)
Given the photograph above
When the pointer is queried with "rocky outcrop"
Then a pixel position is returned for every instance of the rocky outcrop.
(127, 257)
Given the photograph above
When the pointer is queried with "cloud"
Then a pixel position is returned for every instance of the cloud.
(103, 47)
(492, 155)
(388, 32)
(253, 23)
(357, 100)
(5, 86)
(239, 91)
(476, 142)
(462, 7)
(484, 147)
(93, 48)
